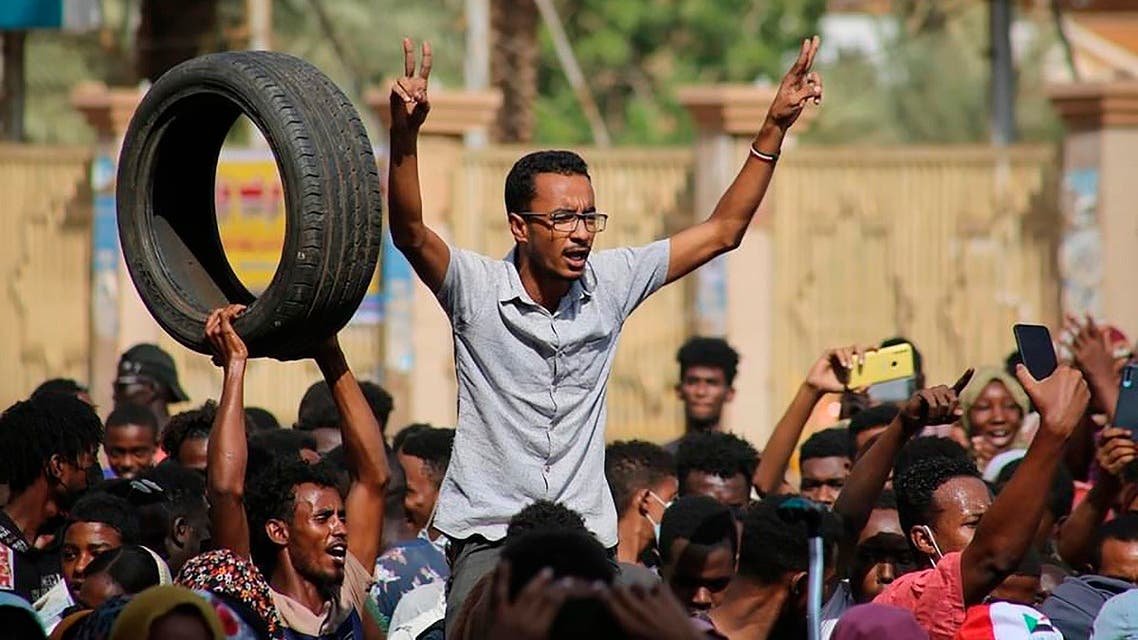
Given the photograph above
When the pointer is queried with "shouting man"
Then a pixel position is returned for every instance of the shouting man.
(535, 334)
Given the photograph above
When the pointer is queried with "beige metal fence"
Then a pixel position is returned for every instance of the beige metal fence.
(949, 246)
(45, 258)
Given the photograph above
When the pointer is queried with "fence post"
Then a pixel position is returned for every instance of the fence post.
(119, 318)
(1096, 250)
(419, 369)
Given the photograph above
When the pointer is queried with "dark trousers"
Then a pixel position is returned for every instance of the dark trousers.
(470, 559)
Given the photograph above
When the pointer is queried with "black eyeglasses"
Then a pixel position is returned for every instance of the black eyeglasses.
(567, 221)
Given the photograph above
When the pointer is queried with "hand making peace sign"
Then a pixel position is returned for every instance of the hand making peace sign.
(409, 103)
(799, 86)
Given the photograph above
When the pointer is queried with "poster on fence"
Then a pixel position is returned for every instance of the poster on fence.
(251, 218)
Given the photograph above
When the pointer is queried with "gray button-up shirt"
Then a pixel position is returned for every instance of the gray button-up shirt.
(532, 388)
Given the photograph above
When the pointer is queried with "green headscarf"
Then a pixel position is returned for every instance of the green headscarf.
(981, 379)
(146, 607)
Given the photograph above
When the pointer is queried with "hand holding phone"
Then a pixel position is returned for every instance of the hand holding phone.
(1126, 410)
(883, 365)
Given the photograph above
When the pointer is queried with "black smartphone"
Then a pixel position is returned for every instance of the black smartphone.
(1126, 411)
(1036, 349)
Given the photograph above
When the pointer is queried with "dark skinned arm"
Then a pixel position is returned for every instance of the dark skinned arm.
(1008, 528)
(725, 228)
(227, 453)
(365, 454)
(1076, 537)
(822, 378)
(1094, 359)
(424, 249)
(939, 405)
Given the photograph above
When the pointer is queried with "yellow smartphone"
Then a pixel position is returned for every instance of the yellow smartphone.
(883, 365)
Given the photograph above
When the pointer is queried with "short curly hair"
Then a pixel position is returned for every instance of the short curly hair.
(111, 510)
(869, 418)
(34, 430)
(1124, 528)
(827, 443)
(520, 188)
(188, 425)
(772, 546)
(715, 452)
(928, 447)
(567, 553)
(632, 465)
(318, 408)
(917, 483)
(433, 446)
(700, 520)
(270, 494)
(709, 352)
(544, 514)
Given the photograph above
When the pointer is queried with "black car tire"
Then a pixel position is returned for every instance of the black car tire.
(168, 220)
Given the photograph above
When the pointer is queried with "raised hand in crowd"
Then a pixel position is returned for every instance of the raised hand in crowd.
(227, 453)
(364, 452)
(827, 375)
(1091, 352)
(409, 101)
(927, 407)
(424, 249)
(1076, 537)
(800, 86)
(1008, 528)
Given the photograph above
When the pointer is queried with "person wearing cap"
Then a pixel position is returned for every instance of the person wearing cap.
(148, 377)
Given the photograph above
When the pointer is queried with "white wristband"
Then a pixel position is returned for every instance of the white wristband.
(765, 157)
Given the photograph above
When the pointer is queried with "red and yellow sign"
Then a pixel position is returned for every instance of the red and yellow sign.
(251, 218)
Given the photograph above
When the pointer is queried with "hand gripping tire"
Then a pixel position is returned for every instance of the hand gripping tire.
(168, 222)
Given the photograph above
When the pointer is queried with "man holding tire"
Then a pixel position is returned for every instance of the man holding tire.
(535, 334)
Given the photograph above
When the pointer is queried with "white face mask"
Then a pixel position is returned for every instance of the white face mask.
(656, 525)
(936, 547)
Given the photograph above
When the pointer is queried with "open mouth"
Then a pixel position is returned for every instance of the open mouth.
(339, 552)
(576, 257)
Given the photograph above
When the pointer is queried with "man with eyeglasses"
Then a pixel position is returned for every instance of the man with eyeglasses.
(535, 334)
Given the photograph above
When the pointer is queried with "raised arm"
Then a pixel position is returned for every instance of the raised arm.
(366, 457)
(724, 230)
(1091, 349)
(424, 249)
(1008, 528)
(227, 454)
(1076, 537)
(938, 405)
(825, 376)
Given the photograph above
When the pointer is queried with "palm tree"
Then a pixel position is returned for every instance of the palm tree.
(172, 32)
(514, 60)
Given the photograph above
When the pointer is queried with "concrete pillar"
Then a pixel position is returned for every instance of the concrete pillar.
(1099, 191)
(119, 318)
(734, 294)
(420, 362)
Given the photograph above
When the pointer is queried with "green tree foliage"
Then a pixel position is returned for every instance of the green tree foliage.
(930, 84)
(636, 54)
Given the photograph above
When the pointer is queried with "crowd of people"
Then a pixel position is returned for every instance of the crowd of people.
(997, 505)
